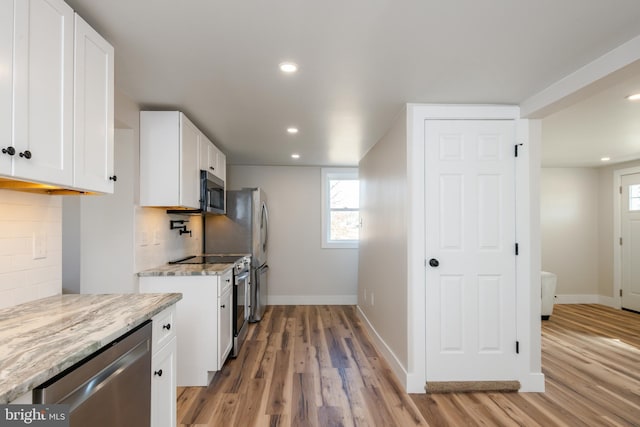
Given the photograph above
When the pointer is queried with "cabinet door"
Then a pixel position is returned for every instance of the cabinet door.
(6, 84)
(222, 166)
(225, 331)
(204, 161)
(43, 91)
(189, 171)
(93, 110)
(163, 386)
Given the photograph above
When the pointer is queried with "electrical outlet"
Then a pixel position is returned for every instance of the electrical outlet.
(365, 295)
(372, 300)
(39, 242)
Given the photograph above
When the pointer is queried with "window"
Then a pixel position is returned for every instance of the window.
(340, 208)
(634, 197)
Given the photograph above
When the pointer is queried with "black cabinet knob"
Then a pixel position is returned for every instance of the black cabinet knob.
(434, 262)
(113, 178)
(212, 168)
(167, 326)
(222, 306)
(158, 372)
(26, 154)
(9, 150)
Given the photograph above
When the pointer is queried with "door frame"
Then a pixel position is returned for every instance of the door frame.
(528, 132)
(617, 233)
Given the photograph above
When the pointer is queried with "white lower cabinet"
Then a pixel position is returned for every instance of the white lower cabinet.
(205, 327)
(225, 319)
(163, 386)
(164, 350)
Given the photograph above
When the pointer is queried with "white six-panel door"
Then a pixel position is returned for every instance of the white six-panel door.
(630, 223)
(470, 249)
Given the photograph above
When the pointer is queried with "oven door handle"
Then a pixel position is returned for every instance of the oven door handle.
(243, 276)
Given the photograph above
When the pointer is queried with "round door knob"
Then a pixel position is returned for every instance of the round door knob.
(113, 178)
(167, 326)
(158, 372)
(434, 262)
(9, 150)
(26, 154)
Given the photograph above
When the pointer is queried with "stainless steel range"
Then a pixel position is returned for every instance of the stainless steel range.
(241, 290)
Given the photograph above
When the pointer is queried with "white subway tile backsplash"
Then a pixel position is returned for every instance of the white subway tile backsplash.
(157, 244)
(23, 278)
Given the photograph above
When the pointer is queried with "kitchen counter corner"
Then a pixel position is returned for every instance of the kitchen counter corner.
(42, 338)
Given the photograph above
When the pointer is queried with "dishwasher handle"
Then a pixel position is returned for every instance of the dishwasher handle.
(124, 361)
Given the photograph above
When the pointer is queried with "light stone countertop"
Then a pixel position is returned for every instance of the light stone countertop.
(42, 338)
(187, 270)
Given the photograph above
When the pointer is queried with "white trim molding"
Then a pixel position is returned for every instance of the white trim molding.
(584, 81)
(587, 299)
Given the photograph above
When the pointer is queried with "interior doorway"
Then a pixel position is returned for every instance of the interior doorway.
(629, 205)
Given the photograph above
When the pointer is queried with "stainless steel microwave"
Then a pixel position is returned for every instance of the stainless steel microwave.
(212, 196)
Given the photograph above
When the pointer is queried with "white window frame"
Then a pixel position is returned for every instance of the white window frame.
(327, 175)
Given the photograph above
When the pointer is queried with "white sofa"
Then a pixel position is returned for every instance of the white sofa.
(548, 286)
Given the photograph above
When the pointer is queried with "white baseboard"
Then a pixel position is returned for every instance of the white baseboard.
(387, 353)
(312, 299)
(609, 301)
(587, 299)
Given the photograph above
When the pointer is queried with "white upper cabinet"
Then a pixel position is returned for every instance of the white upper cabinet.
(43, 91)
(169, 168)
(6, 84)
(40, 140)
(93, 110)
(211, 158)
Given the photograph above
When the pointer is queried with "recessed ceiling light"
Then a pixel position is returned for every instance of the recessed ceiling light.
(295, 156)
(288, 67)
(634, 97)
(292, 130)
(605, 159)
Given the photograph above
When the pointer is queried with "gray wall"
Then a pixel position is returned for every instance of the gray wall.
(577, 227)
(382, 266)
(301, 271)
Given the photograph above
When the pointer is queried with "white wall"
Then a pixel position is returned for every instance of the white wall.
(22, 278)
(569, 221)
(382, 269)
(108, 239)
(577, 230)
(301, 272)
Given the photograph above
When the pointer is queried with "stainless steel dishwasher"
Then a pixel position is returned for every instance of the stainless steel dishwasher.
(111, 388)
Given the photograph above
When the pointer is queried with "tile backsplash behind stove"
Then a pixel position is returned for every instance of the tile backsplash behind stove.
(156, 244)
(30, 247)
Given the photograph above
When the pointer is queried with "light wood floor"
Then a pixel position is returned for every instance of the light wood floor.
(315, 366)
(591, 362)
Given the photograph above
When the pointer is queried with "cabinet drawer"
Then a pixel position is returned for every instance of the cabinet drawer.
(164, 328)
(225, 282)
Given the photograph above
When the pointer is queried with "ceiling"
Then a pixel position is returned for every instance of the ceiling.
(359, 62)
(603, 124)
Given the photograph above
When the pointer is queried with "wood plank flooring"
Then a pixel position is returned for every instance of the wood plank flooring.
(315, 366)
(591, 362)
(302, 366)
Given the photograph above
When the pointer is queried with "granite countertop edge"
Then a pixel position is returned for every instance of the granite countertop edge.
(187, 270)
(90, 317)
